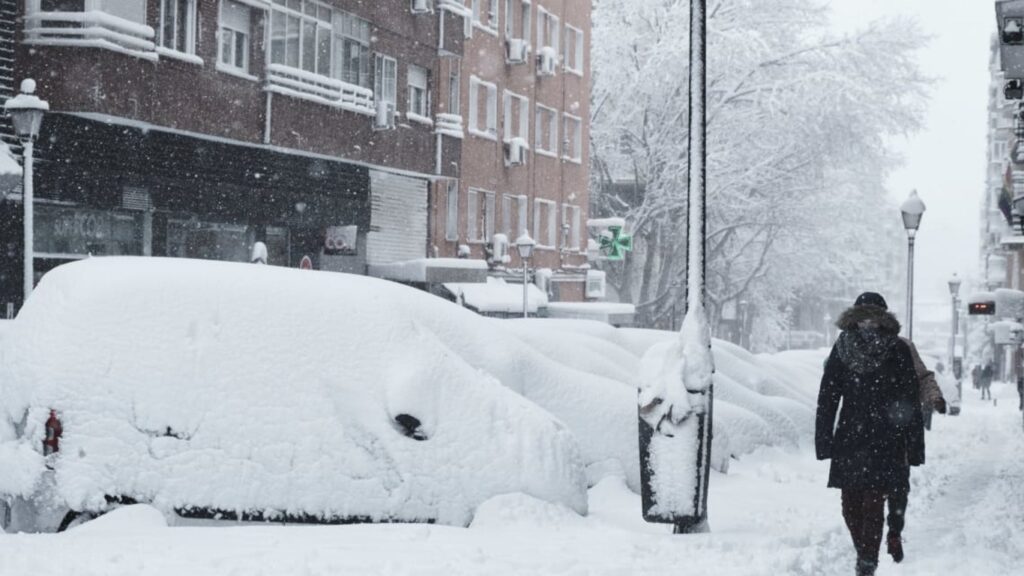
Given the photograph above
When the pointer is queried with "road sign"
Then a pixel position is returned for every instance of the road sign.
(306, 263)
(981, 308)
(615, 244)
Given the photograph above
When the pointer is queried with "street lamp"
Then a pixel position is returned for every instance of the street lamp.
(26, 112)
(954, 292)
(912, 210)
(524, 245)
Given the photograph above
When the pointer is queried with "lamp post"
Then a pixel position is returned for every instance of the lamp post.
(954, 292)
(525, 244)
(26, 111)
(911, 210)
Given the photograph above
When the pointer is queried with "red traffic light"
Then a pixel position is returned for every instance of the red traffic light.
(981, 308)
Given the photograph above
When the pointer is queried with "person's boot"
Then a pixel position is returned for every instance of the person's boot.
(894, 544)
(866, 567)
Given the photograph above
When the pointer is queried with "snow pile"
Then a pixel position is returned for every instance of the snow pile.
(262, 389)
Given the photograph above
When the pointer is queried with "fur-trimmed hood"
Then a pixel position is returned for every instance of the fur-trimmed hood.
(870, 336)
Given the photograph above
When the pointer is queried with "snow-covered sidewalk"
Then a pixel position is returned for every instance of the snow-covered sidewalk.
(770, 515)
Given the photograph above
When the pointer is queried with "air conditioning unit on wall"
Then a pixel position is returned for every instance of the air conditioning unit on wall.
(515, 152)
(547, 61)
(518, 50)
(596, 282)
(420, 6)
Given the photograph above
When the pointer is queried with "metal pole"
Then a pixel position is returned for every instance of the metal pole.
(952, 337)
(27, 197)
(526, 288)
(910, 285)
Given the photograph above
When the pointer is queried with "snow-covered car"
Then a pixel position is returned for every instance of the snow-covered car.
(255, 392)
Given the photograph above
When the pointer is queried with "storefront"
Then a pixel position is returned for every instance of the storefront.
(104, 189)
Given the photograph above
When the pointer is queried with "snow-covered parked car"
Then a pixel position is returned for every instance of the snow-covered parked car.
(212, 388)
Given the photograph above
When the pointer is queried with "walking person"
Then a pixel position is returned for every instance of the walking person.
(931, 401)
(985, 382)
(880, 432)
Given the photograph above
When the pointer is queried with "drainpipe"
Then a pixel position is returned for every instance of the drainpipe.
(267, 118)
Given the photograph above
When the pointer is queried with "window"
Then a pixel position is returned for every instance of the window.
(513, 210)
(483, 108)
(385, 79)
(485, 15)
(300, 36)
(547, 29)
(481, 215)
(572, 145)
(451, 221)
(573, 55)
(571, 227)
(547, 131)
(545, 223)
(131, 11)
(454, 90)
(517, 19)
(419, 100)
(235, 24)
(517, 117)
(352, 49)
(178, 25)
(62, 5)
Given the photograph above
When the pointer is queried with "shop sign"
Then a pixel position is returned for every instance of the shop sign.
(341, 240)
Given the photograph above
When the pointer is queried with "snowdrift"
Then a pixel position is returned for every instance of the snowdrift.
(256, 389)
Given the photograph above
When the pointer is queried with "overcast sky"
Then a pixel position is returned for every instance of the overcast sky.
(945, 162)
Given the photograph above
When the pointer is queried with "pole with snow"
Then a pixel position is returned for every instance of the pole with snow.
(26, 112)
(676, 394)
(912, 210)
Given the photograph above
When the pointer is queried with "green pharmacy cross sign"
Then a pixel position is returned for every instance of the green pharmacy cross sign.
(615, 244)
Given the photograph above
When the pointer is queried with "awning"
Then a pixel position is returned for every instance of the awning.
(612, 313)
(498, 297)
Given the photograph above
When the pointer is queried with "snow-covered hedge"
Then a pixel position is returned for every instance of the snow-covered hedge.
(260, 389)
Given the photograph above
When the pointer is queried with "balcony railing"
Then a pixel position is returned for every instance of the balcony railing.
(449, 125)
(328, 91)
(90, 29)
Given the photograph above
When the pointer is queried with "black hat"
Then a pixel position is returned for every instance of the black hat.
(871, 299)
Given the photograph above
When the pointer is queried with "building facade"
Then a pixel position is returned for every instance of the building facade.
(524, 95)
(195, 128)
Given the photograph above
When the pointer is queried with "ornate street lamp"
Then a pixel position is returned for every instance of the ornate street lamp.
(954, 292)
(26, 112)
(912, 210)
(525, 245)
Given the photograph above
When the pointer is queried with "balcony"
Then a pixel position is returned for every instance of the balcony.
(449, 125)
(91, 29)
(297, 83)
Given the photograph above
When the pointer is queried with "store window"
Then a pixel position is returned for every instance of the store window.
(67, 233)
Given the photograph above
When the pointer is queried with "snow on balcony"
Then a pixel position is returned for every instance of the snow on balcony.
(91, 29)
(297, 83)
(455, 7)
(449, 125)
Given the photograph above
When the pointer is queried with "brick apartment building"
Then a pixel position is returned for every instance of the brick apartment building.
(332, 129)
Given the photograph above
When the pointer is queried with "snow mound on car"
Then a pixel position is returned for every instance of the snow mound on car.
(127, 519)
(246, 388)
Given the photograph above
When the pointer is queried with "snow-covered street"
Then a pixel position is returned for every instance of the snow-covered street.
(770, 515)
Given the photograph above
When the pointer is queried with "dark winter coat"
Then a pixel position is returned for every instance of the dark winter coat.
(880, 433)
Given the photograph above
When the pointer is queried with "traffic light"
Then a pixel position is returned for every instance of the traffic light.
(981, 308)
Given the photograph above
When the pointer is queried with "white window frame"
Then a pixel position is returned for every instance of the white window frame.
(451, 222)
(455, 90)
(523, 17)
(571, 218)
(489, 26)
(548, 240)
(481, 205)
(573, 62)
(516, 127)
(514, 205)
(385, 88)
(233, 31)
(548, 26)
(339, 37)
(418, 104)
(190, 32)
(572, 150)
(490, 127)
(550, 116)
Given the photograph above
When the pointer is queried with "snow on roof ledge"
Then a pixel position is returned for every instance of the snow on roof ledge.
(433, 270)
(980, 297)
(606, 223)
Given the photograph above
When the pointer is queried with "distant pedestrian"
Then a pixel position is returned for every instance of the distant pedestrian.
(976, 376)
(985, 382)
(880, 432)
